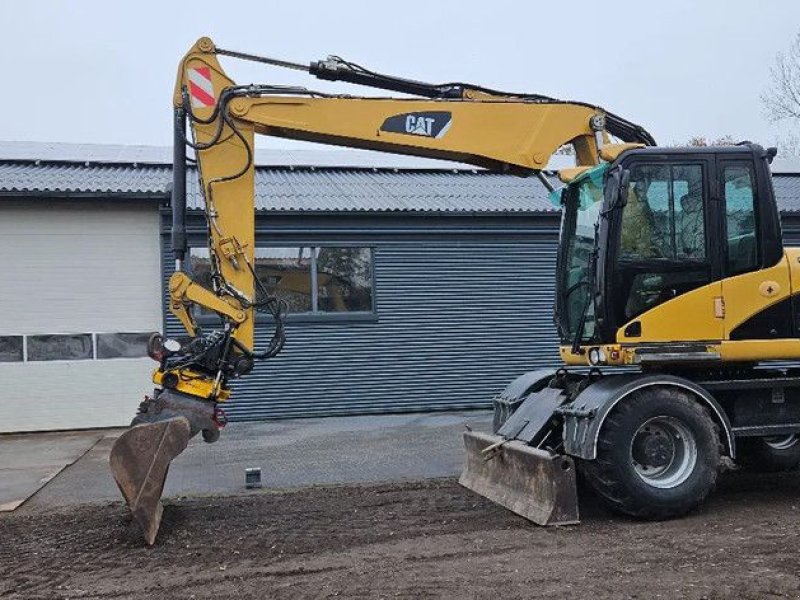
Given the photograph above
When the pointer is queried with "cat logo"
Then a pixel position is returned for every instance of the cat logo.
(433, 124)
(419, 125)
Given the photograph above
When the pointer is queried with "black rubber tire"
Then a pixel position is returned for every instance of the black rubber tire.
(613, 476)
(754, 454)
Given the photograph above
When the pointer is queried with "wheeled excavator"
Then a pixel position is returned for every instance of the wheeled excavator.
(674, 293)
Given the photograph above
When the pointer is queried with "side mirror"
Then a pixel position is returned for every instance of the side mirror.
(771, 154)
(616, 188)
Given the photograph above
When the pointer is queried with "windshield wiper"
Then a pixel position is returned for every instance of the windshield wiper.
(557, 320)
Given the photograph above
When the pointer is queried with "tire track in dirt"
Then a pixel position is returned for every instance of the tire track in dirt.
(418, 539)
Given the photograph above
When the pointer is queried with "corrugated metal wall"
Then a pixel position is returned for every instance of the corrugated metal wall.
(457, 319)
(790, 223)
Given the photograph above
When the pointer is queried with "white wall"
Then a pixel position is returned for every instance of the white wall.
(43, 396)
(76, 267)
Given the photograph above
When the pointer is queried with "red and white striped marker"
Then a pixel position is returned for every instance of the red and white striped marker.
(200, 87)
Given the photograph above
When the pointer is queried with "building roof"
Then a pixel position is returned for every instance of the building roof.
(787, 191)
(89, 170)
(94, 171)
(294, 189)
(363, 190)
(76, 179)
(786, 165)
(82, 153)
(266, 157)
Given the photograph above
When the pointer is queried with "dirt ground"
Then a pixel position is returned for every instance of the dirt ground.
(413, 540)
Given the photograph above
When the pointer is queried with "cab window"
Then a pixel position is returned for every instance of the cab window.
(664, 216)
(740, 218)
(662, 248)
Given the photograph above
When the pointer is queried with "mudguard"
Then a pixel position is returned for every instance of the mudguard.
(533, 420)
(523, 384)
(510, 399)
(584, 416)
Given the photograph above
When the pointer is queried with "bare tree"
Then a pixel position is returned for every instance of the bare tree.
(782, 99)
(789, 144)
(702, 141)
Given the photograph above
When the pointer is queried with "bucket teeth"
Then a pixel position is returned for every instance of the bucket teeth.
(140, 459)
(533, 483)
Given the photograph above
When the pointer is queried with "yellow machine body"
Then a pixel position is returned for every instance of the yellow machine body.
(708, 315)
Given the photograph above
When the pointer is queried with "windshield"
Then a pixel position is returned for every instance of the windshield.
(581, 201)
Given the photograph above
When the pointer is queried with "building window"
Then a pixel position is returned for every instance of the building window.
(11, 348)
(122, 345)
(200, 266)
(344, 279)
(286, 273)
(311, 280)
(200, 270)
(76, 346)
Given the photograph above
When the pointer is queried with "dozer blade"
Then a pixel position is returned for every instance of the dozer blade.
(533, 483)
(140, 459)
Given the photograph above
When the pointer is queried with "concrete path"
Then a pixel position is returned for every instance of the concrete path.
(29, 461)
(291, 453)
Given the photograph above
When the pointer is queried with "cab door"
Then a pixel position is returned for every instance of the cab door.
(756, 287)
(666, 272)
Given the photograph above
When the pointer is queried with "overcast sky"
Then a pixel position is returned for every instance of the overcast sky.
(103, 71)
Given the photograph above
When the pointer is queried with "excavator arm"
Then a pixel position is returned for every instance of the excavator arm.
(514, 133)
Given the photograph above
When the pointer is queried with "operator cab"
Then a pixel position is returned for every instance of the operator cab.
(657, 224)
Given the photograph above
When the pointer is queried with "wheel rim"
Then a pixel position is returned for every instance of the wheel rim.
(781, 442)
(663, 452)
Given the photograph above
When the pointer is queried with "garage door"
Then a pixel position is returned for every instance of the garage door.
(80, 294)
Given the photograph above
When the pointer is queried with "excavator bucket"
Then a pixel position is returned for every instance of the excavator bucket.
(533, 483)
(140, 459)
